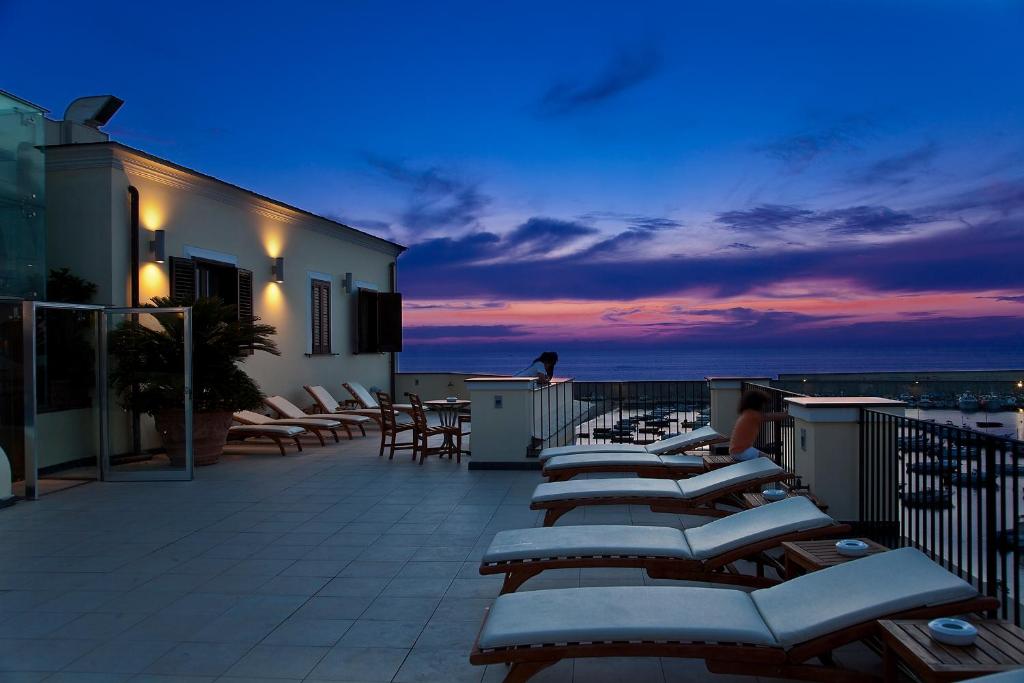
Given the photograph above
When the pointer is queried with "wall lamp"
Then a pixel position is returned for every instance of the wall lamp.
(277, 270)
(157, 246)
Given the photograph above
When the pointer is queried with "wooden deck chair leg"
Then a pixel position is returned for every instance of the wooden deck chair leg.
(319, 434)
(520, 672)
(298, 443)
(280, 445)
(334, 433)
(348, 430)
(516, 578)
(552, 515)
(362, 429)
(383, 442)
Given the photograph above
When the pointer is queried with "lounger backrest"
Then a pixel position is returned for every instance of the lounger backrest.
(248, 417)
(848, 594)
(730, 475)
(757, 524)
(323, 398)
(360, 394)
(283, 406)
(682, 441)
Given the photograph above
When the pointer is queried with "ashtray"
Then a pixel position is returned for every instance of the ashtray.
(773, 494)
(851, 547)
(452, 399)
(952, 631)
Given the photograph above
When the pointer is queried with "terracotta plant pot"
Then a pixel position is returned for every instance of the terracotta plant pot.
(209, 434)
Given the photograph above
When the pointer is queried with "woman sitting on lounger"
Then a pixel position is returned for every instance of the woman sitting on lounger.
(748, 425)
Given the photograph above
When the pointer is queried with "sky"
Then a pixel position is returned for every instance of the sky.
(654, 173)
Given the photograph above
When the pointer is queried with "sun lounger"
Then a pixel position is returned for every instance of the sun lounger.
(771, 632)
(287, 409)
(315, 426)
(703, 553)
(276, 433)
(367, 401)
(565, 467)
(329, 405)
(705, 436)
(696, 496)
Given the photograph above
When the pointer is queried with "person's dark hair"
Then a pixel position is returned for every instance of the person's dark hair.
(546, 357)
(753, 399)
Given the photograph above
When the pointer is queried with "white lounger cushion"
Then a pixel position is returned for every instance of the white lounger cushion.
(870, 588)
(674, 443)
(607, 488)
(793, 612)
(624, 613)
(596, 540)
(630, 487)
(749, 470)
(564, 462)
(276, 430)
(699, 543)
(251, 418)
(756, 524)
(351, 419)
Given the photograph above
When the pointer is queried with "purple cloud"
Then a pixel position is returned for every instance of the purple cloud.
(432, 332)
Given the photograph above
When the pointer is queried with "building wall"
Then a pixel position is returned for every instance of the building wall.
(90, 218)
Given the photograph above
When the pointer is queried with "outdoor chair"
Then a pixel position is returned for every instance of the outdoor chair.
(287, 409)
(705, 436)
(703, 553)
(276, 433)
(390, 427)
(697, 495)
(328, 405)
(315, 426)
(423, 430)
(366, 401)
(770, 632)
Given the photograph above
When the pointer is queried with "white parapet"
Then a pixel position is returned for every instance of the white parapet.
(826, 432)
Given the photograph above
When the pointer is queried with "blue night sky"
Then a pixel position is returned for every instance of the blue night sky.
(667, 172)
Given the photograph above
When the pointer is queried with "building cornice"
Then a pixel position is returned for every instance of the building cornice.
(134, 162)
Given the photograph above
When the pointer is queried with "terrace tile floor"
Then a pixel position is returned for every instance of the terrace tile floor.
(331, 565)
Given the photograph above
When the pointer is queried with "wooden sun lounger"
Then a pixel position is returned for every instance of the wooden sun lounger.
(771, 632)
(326, 402)
(313, 425)
(704, 553)
(704, 436)
(276, 433)
(565, 467)
(288, 410)
(697, 495)
(365, 399)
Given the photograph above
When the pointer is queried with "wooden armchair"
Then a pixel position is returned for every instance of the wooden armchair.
(423, 430)
(390, 428)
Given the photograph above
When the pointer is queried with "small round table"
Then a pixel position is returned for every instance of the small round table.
(448, 416)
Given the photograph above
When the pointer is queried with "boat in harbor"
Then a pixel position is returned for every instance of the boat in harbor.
(991, 403)
(968, 403)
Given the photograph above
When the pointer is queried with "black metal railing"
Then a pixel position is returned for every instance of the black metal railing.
(776, 437)
(618, 412)
(951, 492)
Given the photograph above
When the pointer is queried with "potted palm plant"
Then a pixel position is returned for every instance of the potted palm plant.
(147, 372)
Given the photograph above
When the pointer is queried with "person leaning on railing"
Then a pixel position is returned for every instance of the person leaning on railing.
(542, 367)
(752, 416)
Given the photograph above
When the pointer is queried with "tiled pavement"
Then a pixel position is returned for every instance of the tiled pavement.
(332, 565)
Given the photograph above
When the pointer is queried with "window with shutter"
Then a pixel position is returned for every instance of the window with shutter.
(183, 281)
(320, 308)
(245, 308)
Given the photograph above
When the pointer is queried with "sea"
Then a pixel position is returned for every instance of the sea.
(623, 363)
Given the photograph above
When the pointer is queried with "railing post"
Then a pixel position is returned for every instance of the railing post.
(991, 491)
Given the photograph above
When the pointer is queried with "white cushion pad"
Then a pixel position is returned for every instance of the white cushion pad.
(276, 430)
(353, 419)
(687, 462)
(565, 462)
(647, 613)
(757, 524)
(591, 448)
(606, 488)
(869, 588)
(321, 423)
(587, 541)
(709, 482)
(674, 444)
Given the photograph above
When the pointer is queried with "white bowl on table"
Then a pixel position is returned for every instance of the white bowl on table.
(772, 494)
(851, 547)
(952, 631)
(452, 399)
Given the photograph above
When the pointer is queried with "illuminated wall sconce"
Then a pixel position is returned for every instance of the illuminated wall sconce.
(278, 269)
(156, 246)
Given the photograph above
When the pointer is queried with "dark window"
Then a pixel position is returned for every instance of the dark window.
(378, 322)
(320, 307)
(194, 278)
(183, 281)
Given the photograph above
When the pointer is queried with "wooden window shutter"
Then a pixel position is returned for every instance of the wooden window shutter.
(183, 281)
(245, 307)
(320, 307)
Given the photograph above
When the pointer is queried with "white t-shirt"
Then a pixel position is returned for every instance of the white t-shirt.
(535, 370)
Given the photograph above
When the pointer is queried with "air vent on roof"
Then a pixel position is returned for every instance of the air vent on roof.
(94, 110)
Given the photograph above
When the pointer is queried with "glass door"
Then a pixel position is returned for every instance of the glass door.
(146, 394)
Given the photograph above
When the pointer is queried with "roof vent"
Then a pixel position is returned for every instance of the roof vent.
(94, 110)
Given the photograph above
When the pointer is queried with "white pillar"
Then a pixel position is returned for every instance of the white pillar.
(725, 398)
(503, 420)
(6, 497)
(826, 432)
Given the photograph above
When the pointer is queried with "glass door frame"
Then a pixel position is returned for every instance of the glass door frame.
(29, 309)
(107, 472)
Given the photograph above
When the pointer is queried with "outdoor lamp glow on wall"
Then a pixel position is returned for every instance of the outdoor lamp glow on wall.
(156, 246)
(277, 270)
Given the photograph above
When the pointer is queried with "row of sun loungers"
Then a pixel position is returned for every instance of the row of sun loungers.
(784, 628)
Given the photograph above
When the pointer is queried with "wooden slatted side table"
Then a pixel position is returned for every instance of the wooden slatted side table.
(999, 647)
(810, 556)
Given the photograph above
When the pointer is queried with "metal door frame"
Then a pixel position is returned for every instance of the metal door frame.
(107, 473)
